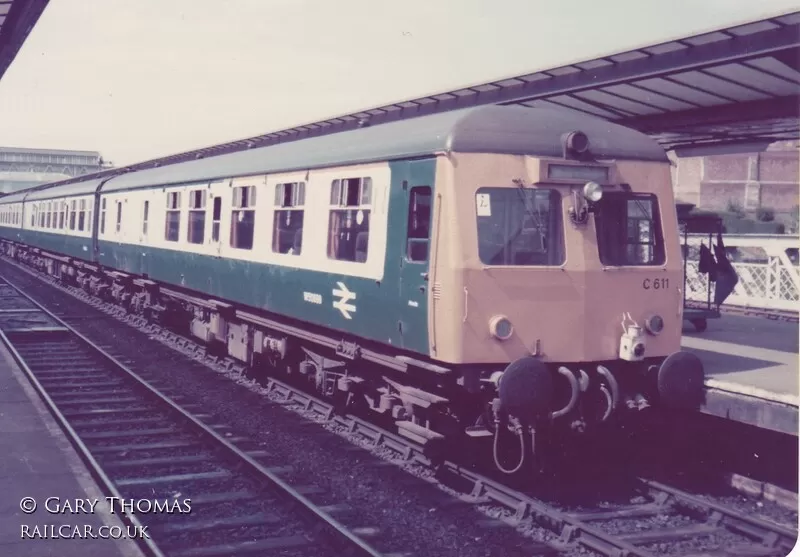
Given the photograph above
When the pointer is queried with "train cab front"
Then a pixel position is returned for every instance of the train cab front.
(576, 283)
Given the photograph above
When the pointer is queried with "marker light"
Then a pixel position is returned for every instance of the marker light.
(654, 324)
(593, 192)
(501, 327)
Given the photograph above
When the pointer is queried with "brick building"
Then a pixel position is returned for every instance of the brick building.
(769, 179)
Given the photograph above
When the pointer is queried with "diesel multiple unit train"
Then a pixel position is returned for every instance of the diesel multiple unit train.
(482, 273)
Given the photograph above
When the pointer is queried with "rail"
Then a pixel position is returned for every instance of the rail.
(607, 530)
(141, 445)
(767, 267)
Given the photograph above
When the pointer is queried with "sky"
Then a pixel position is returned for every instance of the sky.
(144, 79)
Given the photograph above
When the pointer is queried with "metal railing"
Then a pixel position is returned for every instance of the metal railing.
(767, 266)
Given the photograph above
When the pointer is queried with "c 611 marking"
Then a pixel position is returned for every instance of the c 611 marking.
(655, 284)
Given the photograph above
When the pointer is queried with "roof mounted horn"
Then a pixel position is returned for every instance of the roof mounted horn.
(575, 145)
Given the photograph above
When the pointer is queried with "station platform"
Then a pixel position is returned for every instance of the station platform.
(38, 461)
(751, 366)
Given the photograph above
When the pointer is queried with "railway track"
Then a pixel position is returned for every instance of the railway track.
(661, 519)
(152, 454)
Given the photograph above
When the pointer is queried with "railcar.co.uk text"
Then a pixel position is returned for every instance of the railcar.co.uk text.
(61, 506)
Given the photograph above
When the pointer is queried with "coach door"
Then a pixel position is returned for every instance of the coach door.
(414, 268)
(217, 191)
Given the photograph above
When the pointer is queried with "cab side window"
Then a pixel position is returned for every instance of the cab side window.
(419, 224)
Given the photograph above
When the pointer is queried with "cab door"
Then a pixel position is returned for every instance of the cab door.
(415, 256)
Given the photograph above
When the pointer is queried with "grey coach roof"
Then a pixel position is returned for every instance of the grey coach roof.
(487, 129)
(78, 188)
(38, 193)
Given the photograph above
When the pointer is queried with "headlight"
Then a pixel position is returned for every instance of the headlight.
(501, 327)
(593, 192)
(654, 324)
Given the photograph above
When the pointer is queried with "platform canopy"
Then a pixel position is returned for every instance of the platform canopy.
(17, 18)
(732, 88)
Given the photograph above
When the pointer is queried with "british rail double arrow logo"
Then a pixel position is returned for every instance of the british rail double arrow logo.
(343, 303)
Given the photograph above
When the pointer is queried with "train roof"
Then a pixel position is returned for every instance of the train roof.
(16, 197)
(67, 190)
(486, 129)
(49, 191)
(516, 130)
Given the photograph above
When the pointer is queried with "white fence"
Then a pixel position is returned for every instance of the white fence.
(769, 276)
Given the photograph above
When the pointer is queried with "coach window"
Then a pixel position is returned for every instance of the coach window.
(145, 216)
(287, 232)
(49, 214)
(103, 216)
(243, 217)
(348, 232)
(119, 216)
(73, 213)
(197, 216)
(82, 214)
(62, 208)
(419, 224)
(216, 216)
(173, 224)
(33, 215)
(518, 227)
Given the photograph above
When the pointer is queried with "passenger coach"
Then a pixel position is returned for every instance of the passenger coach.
(490, 270)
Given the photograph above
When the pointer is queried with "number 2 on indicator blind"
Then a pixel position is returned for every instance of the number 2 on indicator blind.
(483, 204)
